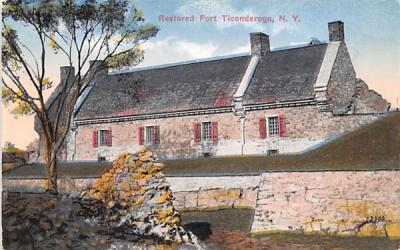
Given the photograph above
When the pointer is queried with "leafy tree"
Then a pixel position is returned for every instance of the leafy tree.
(107, 31)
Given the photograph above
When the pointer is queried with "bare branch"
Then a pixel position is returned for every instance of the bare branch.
(21, 97)
(15, 79)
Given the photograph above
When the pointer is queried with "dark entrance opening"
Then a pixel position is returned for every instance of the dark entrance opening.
(199, 228)
(206, 155)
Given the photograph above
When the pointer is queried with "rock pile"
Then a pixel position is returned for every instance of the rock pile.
(134, 199)
(42, 221)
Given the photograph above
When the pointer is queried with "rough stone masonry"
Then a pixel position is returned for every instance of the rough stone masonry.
(134, 198)
(359, 203)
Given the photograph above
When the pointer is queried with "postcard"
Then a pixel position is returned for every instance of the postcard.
(135, 124)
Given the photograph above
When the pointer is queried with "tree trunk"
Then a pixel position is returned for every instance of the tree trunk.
(52, 177)
(51, 169)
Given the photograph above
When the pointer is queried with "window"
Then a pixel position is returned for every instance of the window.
(102, 137)
(101, 159)
(206, 131)
(149, 135)
(272, 152)
(273, 126)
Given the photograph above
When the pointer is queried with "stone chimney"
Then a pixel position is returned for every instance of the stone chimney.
(67, 73)
(259, 43)
(336, 31)
(98, 68)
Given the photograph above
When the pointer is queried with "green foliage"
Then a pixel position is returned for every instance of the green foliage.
(21, 108)
(13, 100)
(107, 18)
(10, 47)
(118, 22)
(47, 83)
(7, 96)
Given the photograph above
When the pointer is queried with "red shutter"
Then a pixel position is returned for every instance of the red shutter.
(140, 135)
(214, 131)
(108, 137)
(196, 132)
(261, 128)
(281, 126)
(94, 139)
(156, 135)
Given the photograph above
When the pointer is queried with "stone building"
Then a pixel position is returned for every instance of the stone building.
(286, 100)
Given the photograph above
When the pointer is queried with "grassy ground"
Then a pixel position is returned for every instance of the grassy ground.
(376, 146)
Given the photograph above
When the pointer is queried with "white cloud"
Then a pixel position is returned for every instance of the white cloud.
(226, 7)
(172, 49)
(279, 27)
(219, 8)
(196, 50)
(240, 49)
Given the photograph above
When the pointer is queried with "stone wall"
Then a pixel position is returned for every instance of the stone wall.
(305, 127)
(209, 193)
(368, 101)
(363, 203)
(342, 82)
(191, 193)
(176, 137)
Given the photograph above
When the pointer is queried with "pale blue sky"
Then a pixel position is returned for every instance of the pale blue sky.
(367, 22)
(372, 32)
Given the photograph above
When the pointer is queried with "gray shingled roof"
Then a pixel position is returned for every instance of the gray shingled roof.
(284, 75)
(182, 87)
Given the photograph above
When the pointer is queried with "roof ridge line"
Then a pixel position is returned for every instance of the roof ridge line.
(167, 65)
(209, 59)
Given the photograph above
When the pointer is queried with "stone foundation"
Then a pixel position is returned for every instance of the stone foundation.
(361, 203)
(212, 199)
(191, 193)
